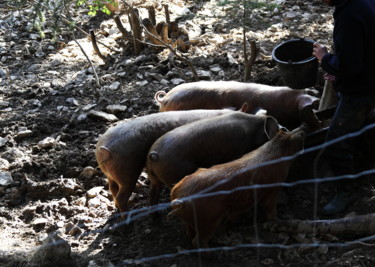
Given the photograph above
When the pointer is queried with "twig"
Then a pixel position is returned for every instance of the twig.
(96, 48)
(88, 59)
(174, 52)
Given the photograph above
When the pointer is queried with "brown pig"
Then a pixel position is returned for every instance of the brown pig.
(121, 151)
(289, 106)
(203, 214)
(205, 143)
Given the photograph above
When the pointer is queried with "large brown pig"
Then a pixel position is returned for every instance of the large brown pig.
(121, 151)
(203, 215)
(290, 107)
(205, 143)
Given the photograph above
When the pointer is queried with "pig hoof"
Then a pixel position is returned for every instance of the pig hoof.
(153, 155)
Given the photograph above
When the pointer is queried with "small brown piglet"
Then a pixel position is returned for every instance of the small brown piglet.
(203, 215)
(290, 107)
(121, 151)
(205, 143)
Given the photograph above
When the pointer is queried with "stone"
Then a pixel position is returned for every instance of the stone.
(88, 172)
(115, 85)
(5, 178)
(40, 221)
(54, 251)
(48, 142)
(4, 104)
(24, 132)
(177, 81)
(3, 141)
(95, 191)
(102, 116)
(100, 263)
(116, 108)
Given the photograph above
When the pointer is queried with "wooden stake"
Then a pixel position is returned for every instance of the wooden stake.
(137, 30)
(152, 33)
(151, 14)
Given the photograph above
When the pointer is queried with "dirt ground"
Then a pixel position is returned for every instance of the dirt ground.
(50, 180)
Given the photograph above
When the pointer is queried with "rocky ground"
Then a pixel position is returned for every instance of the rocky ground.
(52, 114)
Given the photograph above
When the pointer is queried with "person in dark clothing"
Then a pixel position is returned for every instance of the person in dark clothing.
(353, 68)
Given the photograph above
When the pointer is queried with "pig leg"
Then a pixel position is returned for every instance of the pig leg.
(269, 203)
(155, 191)
(205, 230)
(113, 187)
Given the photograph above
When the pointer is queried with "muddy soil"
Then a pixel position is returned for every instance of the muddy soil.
(50, 180)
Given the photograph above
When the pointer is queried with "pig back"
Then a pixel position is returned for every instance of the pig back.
(207, 142)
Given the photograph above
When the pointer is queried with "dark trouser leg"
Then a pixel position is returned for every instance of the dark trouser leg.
(350, 117)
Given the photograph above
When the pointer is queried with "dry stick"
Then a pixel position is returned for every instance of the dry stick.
(125, 34)
(166, 11)
(88, 59)
(249, 63)
(151, 14)
(150, 28)
(135, 24)
(360, 225)
(164, 33)
(96, 48)
(187, 61)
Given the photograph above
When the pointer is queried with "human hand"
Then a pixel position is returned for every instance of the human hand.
(319, 51)
(329, 77)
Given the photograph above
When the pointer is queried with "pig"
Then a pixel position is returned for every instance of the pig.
(204, 214)
(121, 151)
(204, 143)
(289, 106)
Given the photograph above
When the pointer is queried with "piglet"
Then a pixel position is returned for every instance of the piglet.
(121, 151)
(205, 143)
(289, 106)
(204, 214)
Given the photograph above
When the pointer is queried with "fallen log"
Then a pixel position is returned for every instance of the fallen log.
(357, 225)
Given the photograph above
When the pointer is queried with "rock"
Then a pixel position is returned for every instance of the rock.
(88, 107)
(47, 142)
(82, 117)
(115, 86)
(4, 164)
(5, 178)
(142, 83)
(116, 108)
(40, 221)
(177, 81)
(13, 154)
(102, 116)
(72, 101)
(204, 75)
(33, 67)
(216, 69)
(290, 15)
(94, 202)
(231, 59)
(54, 251)
(3, 74)
(3, 141)
(95, 191)
(4, 104)
(24, 132)
(100, 263)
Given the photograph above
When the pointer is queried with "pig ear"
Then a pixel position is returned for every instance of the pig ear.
(244, 107)
(271, 127)
(104, 154)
